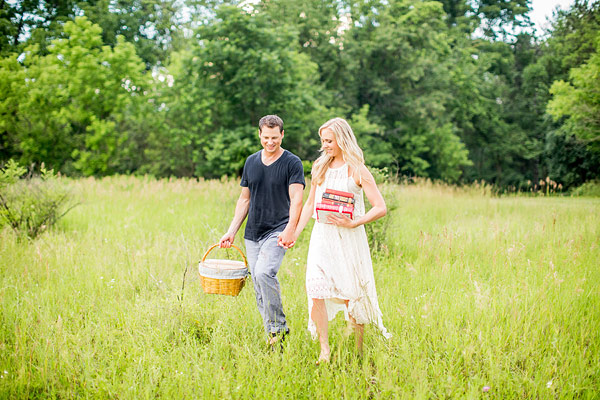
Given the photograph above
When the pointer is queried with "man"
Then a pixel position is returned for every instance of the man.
(272, 184)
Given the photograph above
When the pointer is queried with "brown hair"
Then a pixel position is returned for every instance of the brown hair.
(271, 121)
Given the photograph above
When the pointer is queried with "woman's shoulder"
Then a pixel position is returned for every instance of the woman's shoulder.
(359, 174)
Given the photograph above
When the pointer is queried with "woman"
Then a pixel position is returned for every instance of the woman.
(339, 274)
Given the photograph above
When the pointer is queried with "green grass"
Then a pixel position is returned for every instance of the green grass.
(477, 291)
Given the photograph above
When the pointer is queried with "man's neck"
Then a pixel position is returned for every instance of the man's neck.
(270, 158)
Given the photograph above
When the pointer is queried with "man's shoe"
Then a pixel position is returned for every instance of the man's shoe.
(278, 337)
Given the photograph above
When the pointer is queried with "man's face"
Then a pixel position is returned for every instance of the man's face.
(270, 138)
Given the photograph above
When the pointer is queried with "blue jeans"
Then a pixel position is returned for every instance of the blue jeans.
(264, 259)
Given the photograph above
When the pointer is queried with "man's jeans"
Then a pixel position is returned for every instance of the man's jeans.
(265, 258)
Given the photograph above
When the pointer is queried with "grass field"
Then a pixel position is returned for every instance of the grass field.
(478, 291)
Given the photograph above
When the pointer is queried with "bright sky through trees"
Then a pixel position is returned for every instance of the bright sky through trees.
(543, 9)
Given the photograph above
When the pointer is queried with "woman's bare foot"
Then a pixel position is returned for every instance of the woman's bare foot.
(324, 357)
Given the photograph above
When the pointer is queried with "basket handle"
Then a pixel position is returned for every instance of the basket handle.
(232, 245)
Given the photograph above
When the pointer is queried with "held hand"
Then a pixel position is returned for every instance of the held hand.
(286, 240)
(226, 241)
(287, 246)
(341, 220)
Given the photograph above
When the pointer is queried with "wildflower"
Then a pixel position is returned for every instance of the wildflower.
(486, 389)
(549, 383)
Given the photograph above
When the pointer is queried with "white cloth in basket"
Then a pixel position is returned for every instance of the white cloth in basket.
(222, 269)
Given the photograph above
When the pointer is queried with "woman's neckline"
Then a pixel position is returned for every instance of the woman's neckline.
(340, 167)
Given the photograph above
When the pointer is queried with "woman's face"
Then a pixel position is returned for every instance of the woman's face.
(329, 144)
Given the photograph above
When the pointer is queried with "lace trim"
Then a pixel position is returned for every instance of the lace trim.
(318, 288)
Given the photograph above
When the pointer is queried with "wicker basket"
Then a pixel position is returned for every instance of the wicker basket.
(223, 276)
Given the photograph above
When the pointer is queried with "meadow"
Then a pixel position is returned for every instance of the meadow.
(486, 297)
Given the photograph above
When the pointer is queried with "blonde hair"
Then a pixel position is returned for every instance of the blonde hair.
(351, 152)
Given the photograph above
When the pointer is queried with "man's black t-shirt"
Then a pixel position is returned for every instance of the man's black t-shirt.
(269, 192)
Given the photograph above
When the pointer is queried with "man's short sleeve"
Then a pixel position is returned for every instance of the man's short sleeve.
(244, 181)
(296, 174)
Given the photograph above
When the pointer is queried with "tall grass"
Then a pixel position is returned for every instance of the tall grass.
(478, 291)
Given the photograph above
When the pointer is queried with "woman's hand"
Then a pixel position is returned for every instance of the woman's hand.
(286, 239)
(341, 220)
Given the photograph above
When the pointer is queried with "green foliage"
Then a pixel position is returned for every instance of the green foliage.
(12, 87)
(241, 68)
(495, 17)
(153, 27)
(574, 36)
(34, 203)
(579, 100)
(35, 21)
(588, 189)
(450, 90)
(570, 160)
(11, 173)
(566, 159)
(66, 108)
(147, 24)
(399, 61)
(320, 36)
(227, 152)
(253, 69)
(379, 231)
(378, 152)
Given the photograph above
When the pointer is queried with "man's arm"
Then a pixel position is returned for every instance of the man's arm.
(241, 211)
(307, 212)
(286, 238)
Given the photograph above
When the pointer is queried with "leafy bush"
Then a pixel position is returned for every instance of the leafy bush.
(378, 230)
(31, 203)
(588, 189)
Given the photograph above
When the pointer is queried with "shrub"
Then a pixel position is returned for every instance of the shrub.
(588, 189)
(378, 231)
(31, 203)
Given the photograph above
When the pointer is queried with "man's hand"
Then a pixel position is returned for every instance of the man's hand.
(227, 240)
(286, 239)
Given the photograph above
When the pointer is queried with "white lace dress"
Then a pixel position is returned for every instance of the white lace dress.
(339, 266)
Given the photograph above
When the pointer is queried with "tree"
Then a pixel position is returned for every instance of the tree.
(150, 25)
(569, 159)
(38, 19)
(398, 61)
(495, 110)
(320, 26)
(66, 108)
(494, 17)
(240, 68)
(579, 100)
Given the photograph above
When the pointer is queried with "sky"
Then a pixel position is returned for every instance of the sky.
(542, 9)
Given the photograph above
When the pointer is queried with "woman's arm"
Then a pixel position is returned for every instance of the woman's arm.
(372, 192)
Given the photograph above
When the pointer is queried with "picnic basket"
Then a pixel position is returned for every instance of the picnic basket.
(223, 276)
